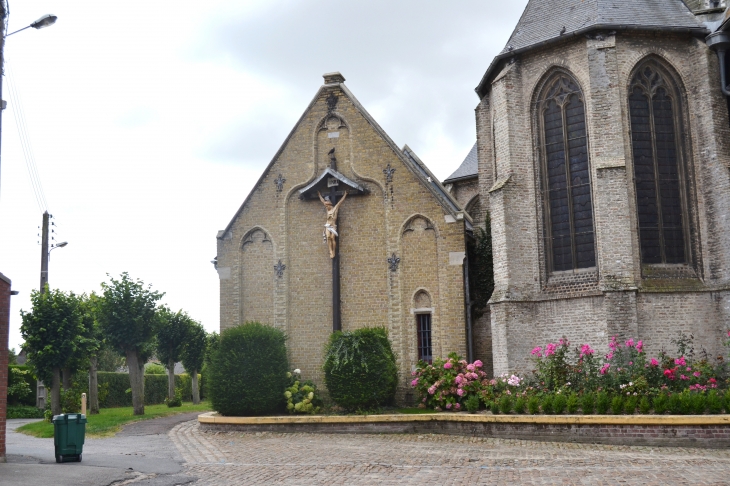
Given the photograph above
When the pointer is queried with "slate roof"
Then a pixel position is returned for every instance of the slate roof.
(545, 21)
(467, 169)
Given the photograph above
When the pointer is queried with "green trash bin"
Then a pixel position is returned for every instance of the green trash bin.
(69, 430)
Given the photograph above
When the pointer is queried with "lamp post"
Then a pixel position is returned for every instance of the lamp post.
(46, 251)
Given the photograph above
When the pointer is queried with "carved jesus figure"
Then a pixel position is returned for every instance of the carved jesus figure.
(330, 227)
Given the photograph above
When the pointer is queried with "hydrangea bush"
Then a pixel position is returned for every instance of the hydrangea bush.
(301, 396)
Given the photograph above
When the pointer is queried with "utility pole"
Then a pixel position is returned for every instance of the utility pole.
(44, 252)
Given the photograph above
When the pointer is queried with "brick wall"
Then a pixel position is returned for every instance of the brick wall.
(4, 335)
(621, 297)
(399, 216)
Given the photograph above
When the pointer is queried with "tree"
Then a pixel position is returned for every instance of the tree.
(171, 336)
(129, 319)
(193, 355)
(54, 334)
(89, 308)
(12, 356)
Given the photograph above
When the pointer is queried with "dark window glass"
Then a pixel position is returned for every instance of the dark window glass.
(424, 337)
(569, 218)
(654, 118)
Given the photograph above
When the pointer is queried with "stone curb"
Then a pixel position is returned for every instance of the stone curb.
(666, 420)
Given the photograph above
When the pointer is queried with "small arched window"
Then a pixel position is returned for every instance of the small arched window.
(658, 176)
(569, 235)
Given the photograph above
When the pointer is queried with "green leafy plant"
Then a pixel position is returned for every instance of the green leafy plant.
(573, 403)
(19, 388)
(547, 404)
(644, 405)
(154, 369)
(630, 404)
(248, 370)
(617, 405)
(603, 402)
(472, 404)
(176, 401)
(301, 396)
(359, 369)
(533, 405)
(661, 404)
(520, 405)
(675, 404)
(505, 404)
(494, 407)
(714, 402)
(588, 403)
(559, 403)
(699, 403)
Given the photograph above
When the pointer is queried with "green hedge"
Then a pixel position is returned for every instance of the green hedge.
(30, 379)
(113, 389)
(23, 412)
(248, 371)
(360, 370)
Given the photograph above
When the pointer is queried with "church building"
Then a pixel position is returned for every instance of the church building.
(343, 230)
(601, 164)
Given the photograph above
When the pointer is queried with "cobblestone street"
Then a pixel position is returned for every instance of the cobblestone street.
(226, 458)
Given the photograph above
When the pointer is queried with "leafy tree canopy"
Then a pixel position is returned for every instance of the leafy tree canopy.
(172, 334)
(193, 353)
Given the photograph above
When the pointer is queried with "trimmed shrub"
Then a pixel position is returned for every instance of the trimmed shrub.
(154, 369)
(472, 404)
(24, 412)
(714, 402)
(630, 404)
(359, 369)
(248, 371)
(572, 405)
(494, 407)
(588, 403)
(617, 405)
(22, 386)
(661, 404)
(559, 403)
(675, 404)
(547, 404)
(520, 405)
(603, 402)
(644, 405)
(114, 388)
(699, 403)
(533, 405)
(505, 404)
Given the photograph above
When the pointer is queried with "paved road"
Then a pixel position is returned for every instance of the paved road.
(174, 451)
(226, 458)
(141, 453)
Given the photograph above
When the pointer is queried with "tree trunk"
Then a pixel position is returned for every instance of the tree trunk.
(171, 379)
(136, 380)
(66, 379)
(93, 386)
(196, 392)
(56, 392)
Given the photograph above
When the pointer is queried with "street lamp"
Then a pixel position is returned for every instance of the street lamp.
(46, 251)
(41, 23)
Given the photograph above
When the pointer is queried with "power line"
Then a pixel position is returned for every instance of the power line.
(18, 114)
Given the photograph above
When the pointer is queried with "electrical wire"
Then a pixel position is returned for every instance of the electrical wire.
(18, 114)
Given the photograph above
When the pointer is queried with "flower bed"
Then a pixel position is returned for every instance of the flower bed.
(577, 380)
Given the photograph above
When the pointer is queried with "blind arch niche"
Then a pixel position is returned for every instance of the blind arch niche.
(566, 183)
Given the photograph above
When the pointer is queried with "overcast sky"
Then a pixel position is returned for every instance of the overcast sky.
(150, 121)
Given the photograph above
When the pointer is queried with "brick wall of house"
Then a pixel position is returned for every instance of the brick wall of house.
(619, 296)
(400, 217)
(4, 335)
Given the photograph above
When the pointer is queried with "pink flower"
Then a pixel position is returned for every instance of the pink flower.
(585, 350)
(448, 406)
(459, 379)
(630, 343)
(460, 392)
(432, 390)
(630, 363)
(478, 363)
(457, 406)
(640, 346)
(609, 356)
(613, 344)
(697, 374)
(550, 349)
(537, 352)
(682, 377)
(712, 380)
(414, 382)
(689, 369)
(448, 365)
(728, 333)
(654, 362)
(605, 368)
(680, 361)
(470, 367)
(668, 372)
(413, 373)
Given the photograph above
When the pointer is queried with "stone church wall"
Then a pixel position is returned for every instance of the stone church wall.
(398, 217)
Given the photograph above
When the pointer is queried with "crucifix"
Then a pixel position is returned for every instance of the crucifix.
(336, 187)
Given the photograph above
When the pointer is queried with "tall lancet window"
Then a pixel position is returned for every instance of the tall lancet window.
(658, 175)
(569, 237)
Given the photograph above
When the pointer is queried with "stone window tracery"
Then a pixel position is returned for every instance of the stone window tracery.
(568, 209)
(654, 110)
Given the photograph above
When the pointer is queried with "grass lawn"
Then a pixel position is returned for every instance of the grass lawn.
(110, 420)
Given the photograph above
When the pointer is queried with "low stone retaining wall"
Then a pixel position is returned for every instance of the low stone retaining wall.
(711, 431)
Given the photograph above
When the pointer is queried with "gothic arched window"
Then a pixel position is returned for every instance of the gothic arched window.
(569, 236)
(655, 136)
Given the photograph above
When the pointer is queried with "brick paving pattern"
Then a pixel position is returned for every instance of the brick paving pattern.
(224, 458)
